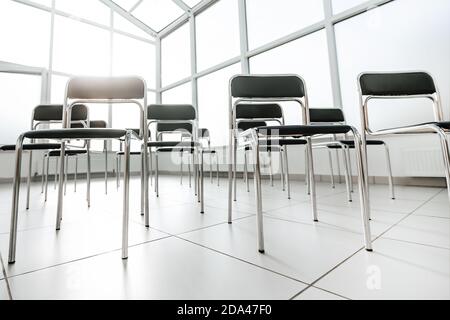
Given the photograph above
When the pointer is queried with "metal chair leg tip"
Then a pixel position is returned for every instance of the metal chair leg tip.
(11, 262)
(262, 251)
(369, 250)
(316, 220)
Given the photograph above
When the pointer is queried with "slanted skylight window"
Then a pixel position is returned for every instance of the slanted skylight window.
(126, 4)
(157, 14)
(192, 3)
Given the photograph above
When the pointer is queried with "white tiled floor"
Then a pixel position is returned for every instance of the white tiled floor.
(187, 255)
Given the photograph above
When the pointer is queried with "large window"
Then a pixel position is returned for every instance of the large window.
(80, 48)
(269, 20)
(387, 39)
(134, 58)
(213, 103)
(16, 107)
(24, 34)
(87, 9)
(176, 56)
(218, 34)
(306, 57)
(342, 5)
(178, 95)
(157, 13)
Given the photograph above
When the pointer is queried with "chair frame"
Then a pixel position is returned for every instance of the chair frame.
(429, 128)
(253, 139)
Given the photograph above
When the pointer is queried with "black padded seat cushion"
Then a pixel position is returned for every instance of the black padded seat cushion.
(245, 125)
(181, 149)
(174, 127)
(351, 144)
(57, 153)
(444, 125)
(303, 130)
(89, 133)
(133, 153)
(32, 146)
(168, 144)
(326, 115)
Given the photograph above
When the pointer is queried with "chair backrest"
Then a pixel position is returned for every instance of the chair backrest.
(334, 115)
(168, 112)
(267, 86)
(54, 112)
(174, 127)
(91, 124)
(247, 89)
(259, 111)
(107, 90)
(396, 84)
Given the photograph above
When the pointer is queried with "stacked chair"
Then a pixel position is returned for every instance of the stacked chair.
(276, 89)
(84, 90)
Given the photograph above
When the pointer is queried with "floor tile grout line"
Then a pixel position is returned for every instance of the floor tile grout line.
(375, 238)
(8, 288)
(90, 256)
(417, 243)
(242, 260)
(327, 291)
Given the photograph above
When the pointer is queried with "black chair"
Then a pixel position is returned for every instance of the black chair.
(282, 88)
(204, 136)
(404, 85)
(336, 116)
(42, 116)
(79, 90)
(171, 118)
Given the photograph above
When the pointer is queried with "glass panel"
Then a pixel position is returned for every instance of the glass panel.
(157, 13)
(24, 40)
(342, 5)
(126, 26)
(192, 3)
(80, 48)
(47, 3)
(176, 56)
(58, 89)
(307, 57)
(178, 95)
(387, 39)
(134, 57)
(269, 20)
(218, 34)
(213, 103)
(126, 4)
(87, 9)
(16, 107)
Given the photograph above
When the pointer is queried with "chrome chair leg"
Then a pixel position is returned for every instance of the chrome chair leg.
(246, 171)
(15, 201)
(157, 173)
(88, 189)
(363, 191)
(47, 159)
(347, 177)
(271, 168)
(312, 181)
(76, 175)
(181, 168)
(288, 179)
(142, 182)
(283, 183)
(61, 186)
(56, 172)
(217, 168)
(117, 171)
(330, 160)
(202, 184)
(190, 164)
(235, 171)
(308, 185)
(30, 167)
(258, 193)
(210, 168)
(126, 197)
(105, 150)
(66, 159)
(446, 156)
(230, 176)
(389, 168)
(350, 169)
(42, 174)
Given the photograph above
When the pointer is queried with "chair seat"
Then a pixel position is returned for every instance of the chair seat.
(351, 144)
(266, 148)
(303, 130)
(134, 153)
(88, 133)
(180, 149)
(32, 146)
(168, 144)
(208, 151)
(444, 125)
(57, 153)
